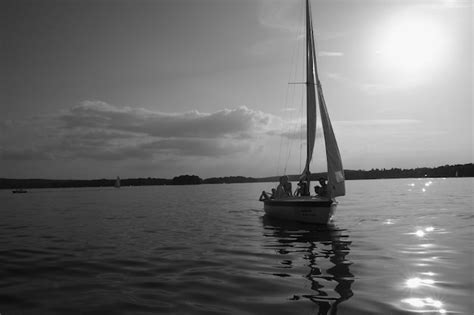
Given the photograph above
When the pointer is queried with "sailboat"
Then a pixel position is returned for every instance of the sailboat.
(19, 191)
(317, 208)
(117, 182)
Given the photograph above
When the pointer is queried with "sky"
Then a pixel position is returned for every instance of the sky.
(142, 88)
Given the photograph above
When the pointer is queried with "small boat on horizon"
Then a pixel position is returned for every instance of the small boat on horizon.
(19, 191)
(117, 182)
(304, 207)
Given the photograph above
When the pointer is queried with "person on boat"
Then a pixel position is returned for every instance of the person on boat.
(323, 189)
(284, 188)
(287, 186)
(302, 188)
(298, 190)
(266, 196)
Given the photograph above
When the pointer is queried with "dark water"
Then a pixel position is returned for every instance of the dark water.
(396, 247)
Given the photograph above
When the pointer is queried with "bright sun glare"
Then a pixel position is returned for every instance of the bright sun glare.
(410, 44)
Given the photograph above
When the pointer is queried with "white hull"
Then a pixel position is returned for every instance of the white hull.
(303, 209)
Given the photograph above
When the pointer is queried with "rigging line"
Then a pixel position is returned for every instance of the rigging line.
(293, 127)
(294, 55)
(299, 71)
(290, 132)
(290, 97)
(301, 132)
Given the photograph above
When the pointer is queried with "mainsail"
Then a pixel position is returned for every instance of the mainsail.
(310, 93)
(336, 186)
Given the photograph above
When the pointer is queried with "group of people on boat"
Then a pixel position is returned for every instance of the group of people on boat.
(284, 189)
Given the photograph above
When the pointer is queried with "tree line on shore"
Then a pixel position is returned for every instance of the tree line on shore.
(458, 170)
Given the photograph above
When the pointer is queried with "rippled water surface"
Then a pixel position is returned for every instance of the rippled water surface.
(396, 247)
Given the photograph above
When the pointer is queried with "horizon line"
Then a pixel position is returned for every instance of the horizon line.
(260, 177)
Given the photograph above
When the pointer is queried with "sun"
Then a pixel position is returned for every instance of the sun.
(409, 44)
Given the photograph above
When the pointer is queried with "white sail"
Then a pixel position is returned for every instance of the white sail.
(117, 182)
(310, 92)
(336, 185)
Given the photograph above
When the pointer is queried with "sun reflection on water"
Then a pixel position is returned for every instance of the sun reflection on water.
(428, 304)
(388, 222)
(423, 189)
(421, 286)
(428, 245)
(420, 233)
(416, 282)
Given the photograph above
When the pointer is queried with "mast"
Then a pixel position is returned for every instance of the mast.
(310, 94)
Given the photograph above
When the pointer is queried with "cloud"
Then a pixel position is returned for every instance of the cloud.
(100, 131)
(295, 133)
(193, 124)
(196, 147)
(377, 88)
(379, 130)
(446, 4)
(330, 54)
(24, 154)
(377, 122)
(280, 15)
(381, 88)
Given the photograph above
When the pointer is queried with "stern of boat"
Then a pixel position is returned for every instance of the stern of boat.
(309, 210)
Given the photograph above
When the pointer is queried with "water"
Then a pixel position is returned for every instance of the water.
(396, 247)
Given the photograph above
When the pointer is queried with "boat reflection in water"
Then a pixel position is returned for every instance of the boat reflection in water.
(314, 253)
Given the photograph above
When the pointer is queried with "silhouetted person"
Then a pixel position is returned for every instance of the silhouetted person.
(302, 189)
(323, 189)
(284, 188)
(266, 196)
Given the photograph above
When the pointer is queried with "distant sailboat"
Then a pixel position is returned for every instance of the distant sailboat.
(117, 182)
(19, 191)
(307, 208)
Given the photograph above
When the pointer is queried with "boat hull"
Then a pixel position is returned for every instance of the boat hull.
(308, 210)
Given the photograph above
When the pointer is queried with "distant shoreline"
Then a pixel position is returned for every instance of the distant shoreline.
(458, 170)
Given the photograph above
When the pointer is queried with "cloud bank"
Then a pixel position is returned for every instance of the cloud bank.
(97, 139)
(101, 131)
